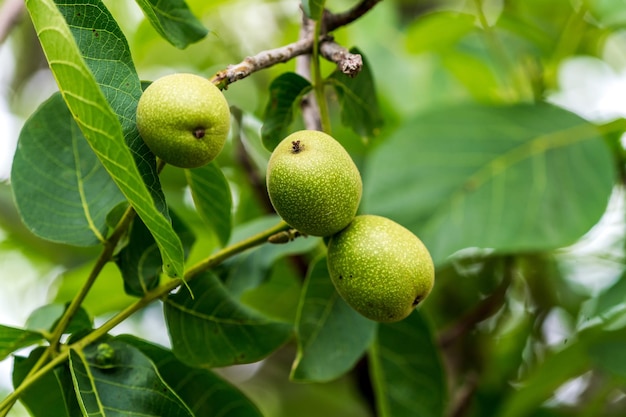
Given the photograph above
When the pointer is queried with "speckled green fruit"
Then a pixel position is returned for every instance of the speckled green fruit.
(313, 183)
(184, 119)
(380, 268)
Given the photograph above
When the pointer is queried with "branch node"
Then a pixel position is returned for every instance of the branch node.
(347, 62)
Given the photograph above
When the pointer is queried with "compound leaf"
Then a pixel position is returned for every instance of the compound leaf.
(113, 378)
(518, 178)
(62, 191)
(97, 120)
(331, 335)
(407, 373)
(212, 329)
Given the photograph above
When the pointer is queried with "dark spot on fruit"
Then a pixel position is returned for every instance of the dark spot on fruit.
(340, 276)
(296, 146)
(417, 300)
(198, 133)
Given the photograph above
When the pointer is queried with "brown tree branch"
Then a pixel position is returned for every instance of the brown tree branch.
(262, 60)
(308, 105)
(333, 21)
(347, 62)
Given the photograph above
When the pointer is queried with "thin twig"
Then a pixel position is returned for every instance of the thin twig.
(347, 62)
(261, 61)
(149, 297)
(333, 21)
(10, 14)
(265, 59)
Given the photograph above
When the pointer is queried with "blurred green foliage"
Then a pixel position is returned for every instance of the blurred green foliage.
(460, 136)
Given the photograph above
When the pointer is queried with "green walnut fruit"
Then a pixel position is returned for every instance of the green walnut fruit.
(380, 268)
(313, 183)
(184, 119)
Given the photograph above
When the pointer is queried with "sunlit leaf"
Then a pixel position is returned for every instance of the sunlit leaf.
(519, 178)
(107, 54)
(212, 198)
(203, 391)
(12, 339)
(331, 335)
(113, 378)
(212, 329)
(99, 124)
(286, 91)
(407, 373)
(173, 21)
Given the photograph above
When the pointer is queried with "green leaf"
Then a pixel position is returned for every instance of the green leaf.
(450, 27)
(203, 391)
(251, 268)
(279, 294)
(112, 66)
(116, 379)
(407, 373)
(173, 21)
(607, 352)
(519, 178)
(98, 122)
(607, 309)
(286, 91)
(52, 395)
(358, 101)
(61, 189)
(214, 330)
(609, 13)
(140, 260)
(45, 318)
(313, 8)
(554, 370)
(211, 195)
(12, 339)
(331, 335)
